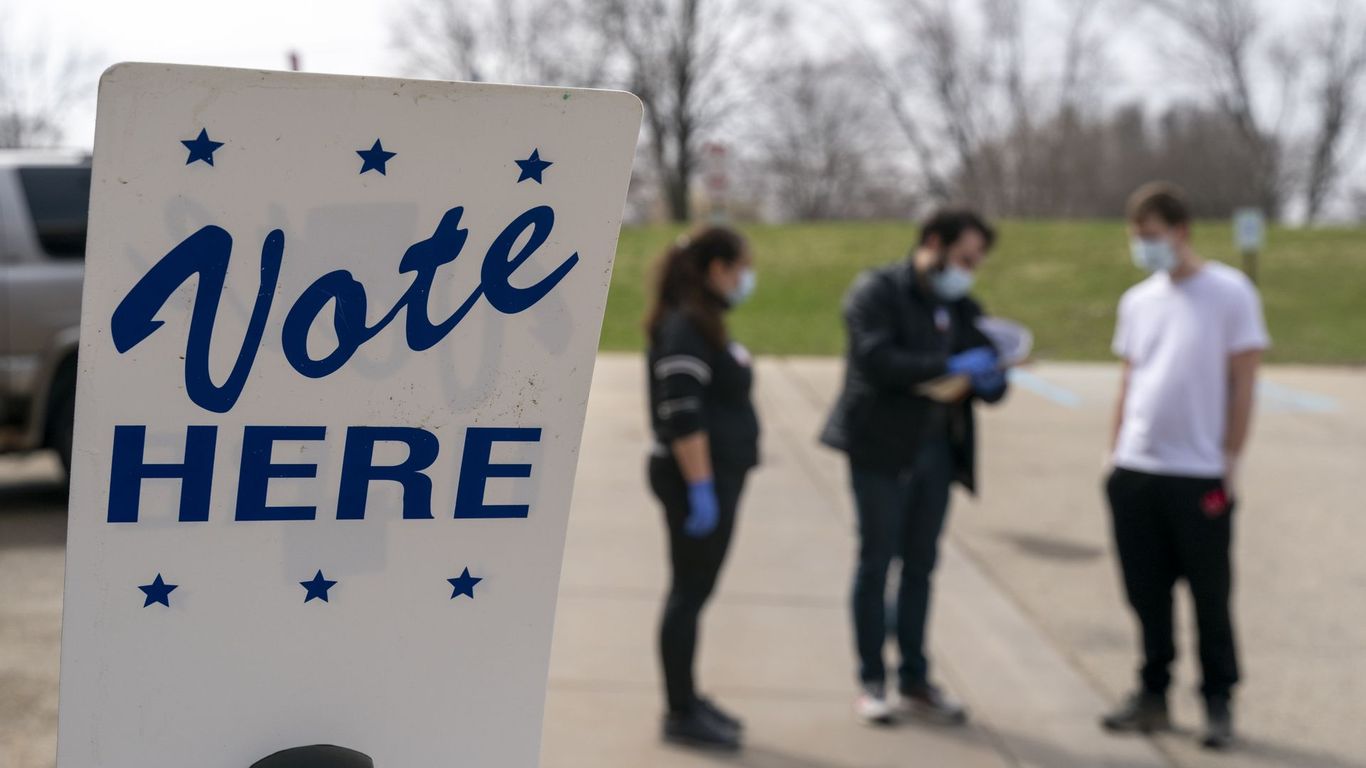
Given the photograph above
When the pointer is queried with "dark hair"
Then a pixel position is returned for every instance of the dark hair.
(680, 281)
(1161, 199)
(949, 224)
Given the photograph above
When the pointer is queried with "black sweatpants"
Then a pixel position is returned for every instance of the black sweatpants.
(696, 564)
(1168, 528)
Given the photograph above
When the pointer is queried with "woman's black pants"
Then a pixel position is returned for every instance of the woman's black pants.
(696, 563)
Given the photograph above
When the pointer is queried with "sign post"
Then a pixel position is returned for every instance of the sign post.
(717, 181)
(336, 346)
(1249, 235)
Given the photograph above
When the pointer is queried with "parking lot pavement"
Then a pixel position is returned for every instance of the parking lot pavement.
(1041, 532)
(32, 538)
(777, 643)
(1028, 624)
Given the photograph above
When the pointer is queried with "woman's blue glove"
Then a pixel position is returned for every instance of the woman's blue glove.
(974, 362)
(703, 511)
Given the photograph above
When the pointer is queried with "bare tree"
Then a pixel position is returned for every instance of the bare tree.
(676, 55)
(1083, 56)
(1068, 175)
(38, 86)
(966, 104)
(815, 143)
(938, 55)
(539, 42)
(1337, 46)
(1223, 35)
(1003, 70)
(932, 171)
(977, 104)
(681, 58)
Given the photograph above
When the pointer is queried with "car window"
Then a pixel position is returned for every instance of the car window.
(59, 201)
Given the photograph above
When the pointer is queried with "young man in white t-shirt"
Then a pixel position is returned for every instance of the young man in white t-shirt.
(1191, 337)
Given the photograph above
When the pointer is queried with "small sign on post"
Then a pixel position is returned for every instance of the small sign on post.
(336, 344)
(1249, 235)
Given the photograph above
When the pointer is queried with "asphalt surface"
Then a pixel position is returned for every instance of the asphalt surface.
(1029, 627)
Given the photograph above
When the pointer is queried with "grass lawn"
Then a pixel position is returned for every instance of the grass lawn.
(1061, 278)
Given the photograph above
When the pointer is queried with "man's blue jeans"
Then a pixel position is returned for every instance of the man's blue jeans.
(900, 515)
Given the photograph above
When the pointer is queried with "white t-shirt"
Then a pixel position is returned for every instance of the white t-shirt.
(1177, 337)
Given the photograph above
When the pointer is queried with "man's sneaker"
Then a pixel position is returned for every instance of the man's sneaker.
(928, 702)
(1219, 725)
(707, 708)
(872, 706)
(697, 731)
(1142, 712)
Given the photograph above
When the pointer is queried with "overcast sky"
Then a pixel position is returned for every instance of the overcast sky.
(354, 37)
(334, 36)
(338, 36)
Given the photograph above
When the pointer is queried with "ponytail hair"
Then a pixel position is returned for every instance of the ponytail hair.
(680, 281)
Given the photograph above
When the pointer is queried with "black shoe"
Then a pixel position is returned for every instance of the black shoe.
(707, 708)
(1142, 712)
(928, 702)
(1219, 725)
(697, 731)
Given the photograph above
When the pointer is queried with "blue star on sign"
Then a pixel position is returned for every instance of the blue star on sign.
(158, 592)
(317, 587)
(533, 167)
(463, 585)
(201, 147)
(374, 158)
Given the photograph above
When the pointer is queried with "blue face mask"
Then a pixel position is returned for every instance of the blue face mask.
(743, 289)
(1156, 255)
(952, 282)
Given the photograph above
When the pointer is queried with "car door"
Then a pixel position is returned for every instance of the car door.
(43, 280)
(9, 192)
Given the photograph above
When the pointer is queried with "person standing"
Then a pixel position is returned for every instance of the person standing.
(1191, 337)
(706, 436)
(908, 324)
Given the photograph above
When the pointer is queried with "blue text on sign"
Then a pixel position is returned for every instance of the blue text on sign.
(206, 253)
(129, 469)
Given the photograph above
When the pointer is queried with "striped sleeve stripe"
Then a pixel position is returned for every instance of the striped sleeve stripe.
(678, 405)
(684, 364)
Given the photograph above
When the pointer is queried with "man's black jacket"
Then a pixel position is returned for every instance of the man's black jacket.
(899, 336)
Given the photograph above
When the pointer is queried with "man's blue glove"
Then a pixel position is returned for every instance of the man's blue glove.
(703, 511)
(975, 362)
(989, 384)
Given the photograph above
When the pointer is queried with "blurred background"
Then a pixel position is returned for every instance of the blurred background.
(798, 119)
(820, 110)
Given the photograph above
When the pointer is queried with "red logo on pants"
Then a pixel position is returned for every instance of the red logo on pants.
(1214, 503)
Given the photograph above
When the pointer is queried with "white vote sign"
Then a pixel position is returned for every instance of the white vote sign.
(337, 340)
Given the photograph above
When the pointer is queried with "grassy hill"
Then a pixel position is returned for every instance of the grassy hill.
(1062, 278)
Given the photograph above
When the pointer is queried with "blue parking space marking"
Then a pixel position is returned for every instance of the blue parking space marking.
(1044, 388)
(1278, 397)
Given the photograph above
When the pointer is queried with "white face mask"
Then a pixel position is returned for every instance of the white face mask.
(1155, 255)
(952, 282)
(744, 288)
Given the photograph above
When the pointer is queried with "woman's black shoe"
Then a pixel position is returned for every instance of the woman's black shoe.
(708, 708)
(698, 731)
(1219, 729)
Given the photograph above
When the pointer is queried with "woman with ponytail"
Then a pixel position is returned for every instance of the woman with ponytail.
(706, 438)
